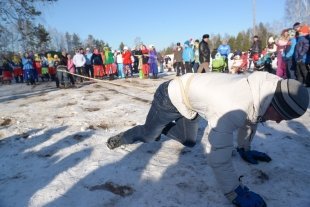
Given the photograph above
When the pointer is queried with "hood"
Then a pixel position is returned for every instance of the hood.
(263, 86)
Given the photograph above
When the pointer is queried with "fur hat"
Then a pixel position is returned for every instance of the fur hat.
(291, 99)
(205, 36)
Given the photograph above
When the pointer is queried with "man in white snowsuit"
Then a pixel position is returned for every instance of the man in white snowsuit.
(230, 103)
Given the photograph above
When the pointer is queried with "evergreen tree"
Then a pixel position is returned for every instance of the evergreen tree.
(231, 43)
(76, 41)
(239, 41)
(121, 46)
(42, 38)
(90, 41)
(68, 39)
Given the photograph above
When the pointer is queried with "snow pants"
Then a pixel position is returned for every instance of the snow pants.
(164, 118)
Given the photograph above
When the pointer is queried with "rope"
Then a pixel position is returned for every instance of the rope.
(103, 81)
(184, 91)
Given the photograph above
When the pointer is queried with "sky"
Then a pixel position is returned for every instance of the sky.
(159, 22)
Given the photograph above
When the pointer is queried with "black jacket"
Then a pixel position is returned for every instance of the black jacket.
(256, 47)
(204, 52)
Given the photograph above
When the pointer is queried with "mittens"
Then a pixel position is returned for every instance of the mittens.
(253, 156)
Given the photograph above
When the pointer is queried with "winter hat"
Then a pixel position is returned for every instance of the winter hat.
(186, 43)
(125, 48)
(304, 30)
(205, 36)
(291, 99)
(270, 40)
(297, 24)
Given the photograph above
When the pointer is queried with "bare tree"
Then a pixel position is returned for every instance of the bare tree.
(11, 11)
(57, 40)
(137, 42)
(297, 11)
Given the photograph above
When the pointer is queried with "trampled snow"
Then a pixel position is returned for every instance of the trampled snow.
(53, 153)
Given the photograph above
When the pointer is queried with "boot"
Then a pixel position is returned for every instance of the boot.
(115, 141)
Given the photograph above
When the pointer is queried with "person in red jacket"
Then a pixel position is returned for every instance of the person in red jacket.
(127, 62)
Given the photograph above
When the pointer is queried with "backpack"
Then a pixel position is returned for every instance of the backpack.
(218, 63)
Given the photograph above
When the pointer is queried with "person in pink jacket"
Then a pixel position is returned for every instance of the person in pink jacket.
(282, 43)
(71, 69)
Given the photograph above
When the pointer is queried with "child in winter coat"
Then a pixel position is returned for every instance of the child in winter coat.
(281, 45)
(119, 62)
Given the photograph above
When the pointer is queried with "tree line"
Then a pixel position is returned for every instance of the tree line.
(19, 31)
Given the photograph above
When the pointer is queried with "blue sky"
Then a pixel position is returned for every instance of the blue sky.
(159, 22)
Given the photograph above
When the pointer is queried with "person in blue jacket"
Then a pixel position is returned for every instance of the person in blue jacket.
(288, 55)
(188, 57)
(29, 71)
(301, 53)
(224, 50)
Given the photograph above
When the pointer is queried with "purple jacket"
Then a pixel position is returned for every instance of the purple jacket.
(301, 49)
(152, 57)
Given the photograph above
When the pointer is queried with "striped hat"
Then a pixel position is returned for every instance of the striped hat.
(291, 99)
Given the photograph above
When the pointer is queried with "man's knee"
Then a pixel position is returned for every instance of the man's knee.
(189, 143)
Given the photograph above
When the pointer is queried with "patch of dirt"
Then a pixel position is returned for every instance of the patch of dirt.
(260, 176)
(71, 103)
(136, 82)
(91, 109)
(59, 117)
(141, 99)
(131, 123)
(14, 177)
(105, 98)
(43, 99)
(103, 125)
(5, 122)
(122, 190)
(24, 135)
(90, 91)
(97, 86)
(78, 137)
(22, 105)
(113, 90)
(91, 127)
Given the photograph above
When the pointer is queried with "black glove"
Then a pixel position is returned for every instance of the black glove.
(246, 198)
(252, 156)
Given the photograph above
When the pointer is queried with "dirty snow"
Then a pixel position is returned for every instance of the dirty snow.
(53, 153)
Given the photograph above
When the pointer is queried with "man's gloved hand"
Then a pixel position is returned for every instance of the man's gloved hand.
(252, 156)
(246, 198)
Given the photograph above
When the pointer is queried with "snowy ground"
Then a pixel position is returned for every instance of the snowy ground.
(53, 153)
